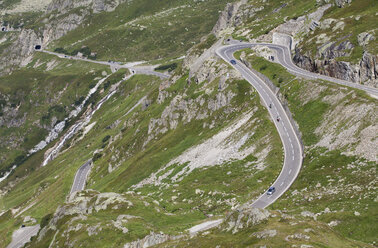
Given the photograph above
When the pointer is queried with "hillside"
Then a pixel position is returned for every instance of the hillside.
(176, 137)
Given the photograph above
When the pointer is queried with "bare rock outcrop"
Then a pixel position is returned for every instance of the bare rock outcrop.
(19, 53)
(227, 17)
(342, 3)
(245, 216)
(293, 27)
(61, 17)
(366, 71)
(151, 240)
(63, 6)
(58, 28)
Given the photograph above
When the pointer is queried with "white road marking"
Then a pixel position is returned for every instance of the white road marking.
(257, 83)
(281, 183)
(289, 171)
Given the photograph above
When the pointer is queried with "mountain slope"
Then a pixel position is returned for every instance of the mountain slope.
(199, 146)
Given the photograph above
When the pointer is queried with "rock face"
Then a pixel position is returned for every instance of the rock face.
(365, 71)
(63, 6)
(364, 38)
(302, 24)
(62, 18)
(265, 234)
(244, 217)
(331, 50)
(342, 3)
(56, 29)
(151, 240)
(83, 204)
(227, 17)
(19, 53)
(283, 39)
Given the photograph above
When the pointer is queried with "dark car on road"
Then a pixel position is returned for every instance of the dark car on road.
(233, 62)
(271, 190)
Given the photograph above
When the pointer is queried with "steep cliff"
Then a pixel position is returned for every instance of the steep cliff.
(342, 44)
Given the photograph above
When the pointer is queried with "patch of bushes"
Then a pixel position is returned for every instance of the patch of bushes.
(61, 50)
(79, 101)
(57, 111)
(86, 51)
(106, 85)
(106, 138)
(96, 157)
(169, 67)
(263, 68)
(45, 220)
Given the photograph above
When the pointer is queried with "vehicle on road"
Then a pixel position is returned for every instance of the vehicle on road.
(233, 62)
(23, 225)
(278, 119)
(38, 47)
(271, 190)
(270, 105)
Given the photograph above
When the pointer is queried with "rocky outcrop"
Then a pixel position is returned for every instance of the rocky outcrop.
(227, 17)
(284, 33)
(265, 234)
(342, 3)
(364, 38)
(64, 6)
(61, 17)
(57, 29)
(244, 217)
(151, 240)
(19, 53)
(366, 71)
(82, 204)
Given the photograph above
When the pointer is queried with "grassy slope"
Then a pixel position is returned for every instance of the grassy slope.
(128, 172)
(22, 90)
(29, 190)
(161, 29)
(7, 4)
(327, 168)
(36, 189)
(264, 19)
(319, 235)
(242, 179)
(330, 169)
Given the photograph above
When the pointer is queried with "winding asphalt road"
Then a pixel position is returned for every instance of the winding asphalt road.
(292, 146)
(23, 235)
(81, 177)
(291, 143)
(112, 64)
(284, 58)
